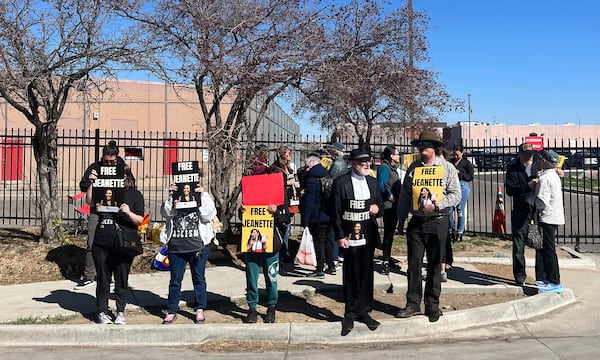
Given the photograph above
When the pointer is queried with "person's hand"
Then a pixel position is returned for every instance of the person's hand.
(532, 183)
(343, 243)
(373, 209)
(171, 188)
(242, 209)
(429, 208)
(93, 175)
(560, 172)
(124, 208)
(199, 189)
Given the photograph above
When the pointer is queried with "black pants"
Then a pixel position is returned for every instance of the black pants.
(390, 223)
(358, 280)
(547, 254)
(110, 261)
(447, 253)
(519, 220)
(323, 249)
(430, 236)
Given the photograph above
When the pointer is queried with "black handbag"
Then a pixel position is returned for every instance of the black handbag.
(534, 237)
(130, 246)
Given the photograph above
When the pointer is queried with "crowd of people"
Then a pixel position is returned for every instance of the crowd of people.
(425, 200)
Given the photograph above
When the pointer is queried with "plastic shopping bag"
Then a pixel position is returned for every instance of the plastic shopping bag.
(306, 253)
(161, 260)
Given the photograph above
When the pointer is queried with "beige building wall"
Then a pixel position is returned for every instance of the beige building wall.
(130, 111)
(480, 134)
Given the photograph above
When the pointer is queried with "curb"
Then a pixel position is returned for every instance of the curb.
(579, 261)
(414, 328)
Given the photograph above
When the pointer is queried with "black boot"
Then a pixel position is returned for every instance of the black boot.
(270, 318)
(452, 237)
(251, 318)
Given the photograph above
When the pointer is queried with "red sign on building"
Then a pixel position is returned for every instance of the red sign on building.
(536, 141)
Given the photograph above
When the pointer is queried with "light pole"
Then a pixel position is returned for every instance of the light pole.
(469, 115)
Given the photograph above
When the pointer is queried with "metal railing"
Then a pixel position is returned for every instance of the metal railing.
(77, 149)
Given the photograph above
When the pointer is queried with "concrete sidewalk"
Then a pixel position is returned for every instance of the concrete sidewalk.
(48, 299)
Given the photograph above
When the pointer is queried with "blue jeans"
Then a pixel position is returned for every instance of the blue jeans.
(465, 192)
(197, 261)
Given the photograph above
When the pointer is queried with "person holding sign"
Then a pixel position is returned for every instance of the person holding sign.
(356, 202)
(431, 189)
(258, 220)
(190, 235)
(110, 156)
(107, 257)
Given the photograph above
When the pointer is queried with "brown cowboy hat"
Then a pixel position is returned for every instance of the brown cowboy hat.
(430, 136)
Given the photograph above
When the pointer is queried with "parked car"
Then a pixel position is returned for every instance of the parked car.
(584, 159)
(486, 160)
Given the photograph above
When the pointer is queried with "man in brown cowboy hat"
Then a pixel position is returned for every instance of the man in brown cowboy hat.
(427, 229)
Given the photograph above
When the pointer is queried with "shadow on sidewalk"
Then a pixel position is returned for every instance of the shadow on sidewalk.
(82, 303)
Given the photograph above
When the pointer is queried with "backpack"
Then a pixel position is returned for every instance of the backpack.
(326, 183)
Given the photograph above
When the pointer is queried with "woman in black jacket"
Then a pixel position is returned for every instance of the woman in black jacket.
(107, 257)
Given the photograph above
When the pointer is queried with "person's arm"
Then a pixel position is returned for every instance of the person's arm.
(405, 200)
(92, 176)
(469, 172)
(207, 209)
(85, 181)
(309, 200)
(543, 194)
(383, 175)
(166, 209)
(452, 192)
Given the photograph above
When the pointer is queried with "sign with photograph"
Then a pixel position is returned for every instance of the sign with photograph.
(428, 186)
(187, 177)
(109, 188)
(257, 229)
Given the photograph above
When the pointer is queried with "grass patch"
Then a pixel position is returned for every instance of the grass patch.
(57, 319)
(584, 184)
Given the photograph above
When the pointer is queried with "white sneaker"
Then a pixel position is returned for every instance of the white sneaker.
(84, 284)
(444, 276)
(120, 320)
(104, 319)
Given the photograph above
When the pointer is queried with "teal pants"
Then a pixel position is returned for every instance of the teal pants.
(269, 262)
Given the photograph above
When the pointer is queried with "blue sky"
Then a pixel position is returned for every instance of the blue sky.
(522, 61)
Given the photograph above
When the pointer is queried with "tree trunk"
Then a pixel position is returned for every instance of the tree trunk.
(44, 144)
(223, 166)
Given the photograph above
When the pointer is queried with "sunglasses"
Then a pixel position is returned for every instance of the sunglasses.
(424, 144)
(109, 162)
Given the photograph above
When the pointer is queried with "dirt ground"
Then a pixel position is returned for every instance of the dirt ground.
(25, 261)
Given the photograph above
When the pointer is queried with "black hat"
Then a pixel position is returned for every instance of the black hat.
(526, 149)
(359, 155)
(430, 136)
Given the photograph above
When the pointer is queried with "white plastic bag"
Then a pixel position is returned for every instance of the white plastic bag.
(306, 253)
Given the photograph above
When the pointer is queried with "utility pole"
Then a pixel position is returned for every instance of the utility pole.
(411, 54)
(469, 110)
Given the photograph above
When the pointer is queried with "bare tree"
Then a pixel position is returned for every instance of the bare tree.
(47, 48)
(370, 76)
(235, 53)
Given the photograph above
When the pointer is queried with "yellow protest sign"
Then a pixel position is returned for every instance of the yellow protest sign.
(428, 186)
(257, 229)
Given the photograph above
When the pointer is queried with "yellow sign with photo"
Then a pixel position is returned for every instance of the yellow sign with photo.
(428, 186)
(257, 229)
